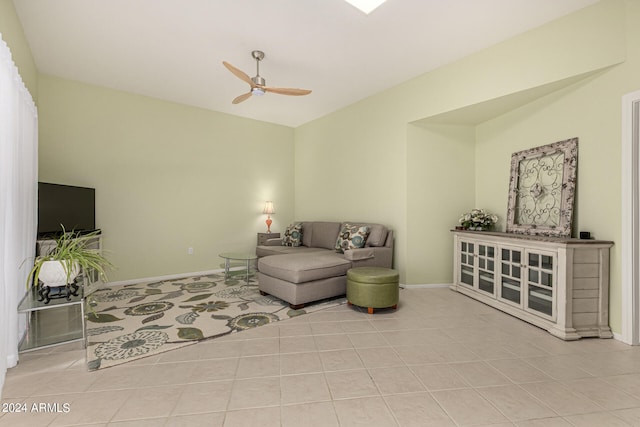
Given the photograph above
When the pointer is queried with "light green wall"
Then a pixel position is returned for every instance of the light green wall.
(441, 186)
(369, 152)
(167, 176)
(348, 169)
(13, 36)
(591, 111)
(162, 170)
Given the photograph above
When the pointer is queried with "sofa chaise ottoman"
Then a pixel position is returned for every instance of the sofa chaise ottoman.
(301, 278)
(315, 269)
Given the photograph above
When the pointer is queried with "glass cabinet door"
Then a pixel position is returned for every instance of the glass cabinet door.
(511, 275)
(540, 284)
(486, 268)
(466, 263)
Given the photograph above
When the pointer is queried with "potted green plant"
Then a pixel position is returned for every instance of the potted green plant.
(71, 255)
(477, 219)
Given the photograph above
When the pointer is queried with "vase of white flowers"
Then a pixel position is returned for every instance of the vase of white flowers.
(478, 220)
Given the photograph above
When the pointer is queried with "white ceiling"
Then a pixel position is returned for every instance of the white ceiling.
(173, 49)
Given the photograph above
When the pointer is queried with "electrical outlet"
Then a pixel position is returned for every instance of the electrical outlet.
(190, 251)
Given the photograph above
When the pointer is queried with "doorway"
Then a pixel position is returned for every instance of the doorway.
(631, 218)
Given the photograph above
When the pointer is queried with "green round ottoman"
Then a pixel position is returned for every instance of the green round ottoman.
(373, 287)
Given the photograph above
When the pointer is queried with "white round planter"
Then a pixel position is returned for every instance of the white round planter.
(53, 274)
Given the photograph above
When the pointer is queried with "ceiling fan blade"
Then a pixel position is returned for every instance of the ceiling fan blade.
(241, 98)
(238, 73)
(287, 91)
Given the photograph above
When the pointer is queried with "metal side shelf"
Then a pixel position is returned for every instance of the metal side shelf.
(57, 322)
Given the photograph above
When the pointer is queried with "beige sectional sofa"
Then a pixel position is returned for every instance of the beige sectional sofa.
(316, 270)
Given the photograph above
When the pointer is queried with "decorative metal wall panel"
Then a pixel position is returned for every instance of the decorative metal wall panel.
(542, 189)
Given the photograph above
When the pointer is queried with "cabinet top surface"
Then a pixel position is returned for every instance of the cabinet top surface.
(527, 237)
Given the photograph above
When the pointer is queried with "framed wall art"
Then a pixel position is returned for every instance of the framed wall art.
(542, 189)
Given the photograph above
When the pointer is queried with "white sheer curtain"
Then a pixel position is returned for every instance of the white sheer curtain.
(18, 201)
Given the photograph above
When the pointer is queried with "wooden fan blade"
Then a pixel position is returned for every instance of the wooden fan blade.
(287, 91)
(238, 73)
(241, 98)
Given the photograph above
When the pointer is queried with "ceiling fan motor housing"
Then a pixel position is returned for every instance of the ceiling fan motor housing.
(258, 81)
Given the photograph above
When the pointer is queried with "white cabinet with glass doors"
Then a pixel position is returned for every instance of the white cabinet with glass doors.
(527, 280)
(558, 284)
(477, 266)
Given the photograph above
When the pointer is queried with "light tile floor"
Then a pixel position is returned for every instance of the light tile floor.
(441, 359)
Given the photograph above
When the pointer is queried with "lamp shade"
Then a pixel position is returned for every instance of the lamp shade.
(268, 208)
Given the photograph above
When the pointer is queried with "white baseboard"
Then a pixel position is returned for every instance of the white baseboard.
(425, 286)
(168, 277)
(620, 337)
(617, 336)
(221, 270)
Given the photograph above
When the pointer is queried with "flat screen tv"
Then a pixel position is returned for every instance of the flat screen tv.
(73, 207)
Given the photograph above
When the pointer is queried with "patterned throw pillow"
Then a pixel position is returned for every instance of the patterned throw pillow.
(293, 235)
(351, 237)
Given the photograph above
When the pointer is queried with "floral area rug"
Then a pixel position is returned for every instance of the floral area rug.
(128, 322)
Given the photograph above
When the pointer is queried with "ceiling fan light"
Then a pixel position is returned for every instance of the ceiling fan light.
(366, 6)
(257, 91)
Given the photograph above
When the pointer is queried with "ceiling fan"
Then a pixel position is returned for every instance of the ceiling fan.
(257, 83)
